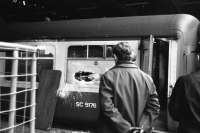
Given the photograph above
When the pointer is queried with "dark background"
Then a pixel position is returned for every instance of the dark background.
(50, 10)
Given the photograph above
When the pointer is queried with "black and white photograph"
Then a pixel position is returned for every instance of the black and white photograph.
(99, 66)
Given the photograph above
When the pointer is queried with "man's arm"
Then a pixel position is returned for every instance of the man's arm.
(152, 108)
(108, 108)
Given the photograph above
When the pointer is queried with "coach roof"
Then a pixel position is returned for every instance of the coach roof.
(119, 27)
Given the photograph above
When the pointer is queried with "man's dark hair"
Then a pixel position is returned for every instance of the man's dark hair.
(124, 52)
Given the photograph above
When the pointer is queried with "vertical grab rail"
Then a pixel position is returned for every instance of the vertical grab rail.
(13, 90)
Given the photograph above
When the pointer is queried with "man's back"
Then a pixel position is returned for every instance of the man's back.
(130, 89)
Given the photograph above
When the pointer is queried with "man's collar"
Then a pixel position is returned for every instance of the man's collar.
(126, 64)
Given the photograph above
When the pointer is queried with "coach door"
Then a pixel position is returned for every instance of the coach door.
(154, 59)
(146, 52)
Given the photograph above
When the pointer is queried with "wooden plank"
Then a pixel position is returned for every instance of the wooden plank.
(46, 98)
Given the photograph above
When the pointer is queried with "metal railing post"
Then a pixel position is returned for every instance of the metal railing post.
(13, 90)
(33, 93)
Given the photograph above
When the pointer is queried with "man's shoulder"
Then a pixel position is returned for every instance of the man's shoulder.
(193, 77)
(192, 74)
(182, 78)
(186, 77)
(147, 76)
(109, 71)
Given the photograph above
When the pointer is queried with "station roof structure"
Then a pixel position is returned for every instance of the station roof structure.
(49, 10)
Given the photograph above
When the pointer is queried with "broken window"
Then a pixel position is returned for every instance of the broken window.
(84, 76)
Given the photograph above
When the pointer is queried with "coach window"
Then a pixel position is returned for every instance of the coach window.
(77, 51)
(95, 51)
(109, 51)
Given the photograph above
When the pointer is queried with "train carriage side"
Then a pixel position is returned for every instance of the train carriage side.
(165, 45)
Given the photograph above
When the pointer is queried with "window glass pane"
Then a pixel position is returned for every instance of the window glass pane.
(25, 54)
(77, 51)
(109, 51)
(95, 51)
(46, 51)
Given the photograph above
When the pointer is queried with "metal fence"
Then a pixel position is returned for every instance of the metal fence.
(17, 87)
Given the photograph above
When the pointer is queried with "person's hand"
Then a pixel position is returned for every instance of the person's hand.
(130, 130)
(135, 130)
(147, 128)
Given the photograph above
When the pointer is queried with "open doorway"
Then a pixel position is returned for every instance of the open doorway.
(160, 77)
(154, 57)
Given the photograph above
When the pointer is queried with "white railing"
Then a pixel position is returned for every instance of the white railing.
(11, 109)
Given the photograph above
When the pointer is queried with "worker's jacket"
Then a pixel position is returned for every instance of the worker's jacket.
(184, 105)
(128, 99)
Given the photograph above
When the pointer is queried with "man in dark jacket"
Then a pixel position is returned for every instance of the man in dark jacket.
(184, 105)
(128, 96)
